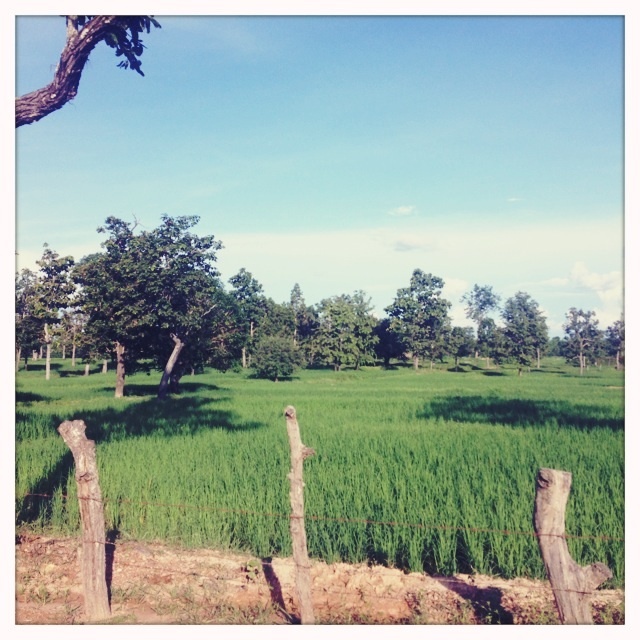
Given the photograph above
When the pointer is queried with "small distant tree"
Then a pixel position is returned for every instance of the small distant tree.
(389, 343)
(614, 341)
(525, 329)
(306, 323)
(252, 306)
(419, 315)
(461, 343)
(584, 339)
(488, 338)
(345, 332)
(52, 293)
(276, 357)
(28, 327)
(480, 301)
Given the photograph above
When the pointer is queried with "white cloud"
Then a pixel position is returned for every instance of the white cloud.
(403, 211)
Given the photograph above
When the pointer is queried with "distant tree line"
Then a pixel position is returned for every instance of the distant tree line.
(154, 300)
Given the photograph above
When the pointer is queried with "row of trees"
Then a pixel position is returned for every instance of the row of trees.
(155, 300)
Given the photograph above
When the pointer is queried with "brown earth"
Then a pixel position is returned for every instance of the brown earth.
(157, 584)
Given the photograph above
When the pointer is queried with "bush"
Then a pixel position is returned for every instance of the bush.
(275, 357)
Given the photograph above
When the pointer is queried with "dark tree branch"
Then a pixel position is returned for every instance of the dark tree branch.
(83, 34)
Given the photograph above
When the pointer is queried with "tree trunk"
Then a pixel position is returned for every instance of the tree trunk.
(93, 555)
(47, 339)
(87, 366)
(298, 534)
(538, 353)
(244, 357)
(571, 584)
(120, 370)
(73, 355)
(64, 86)
(163, 390)
(416, 362)
(104, 366)
(18, 354)
(64, 351)
(174, 382)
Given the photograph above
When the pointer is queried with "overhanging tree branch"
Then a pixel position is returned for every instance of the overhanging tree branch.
(83, 34)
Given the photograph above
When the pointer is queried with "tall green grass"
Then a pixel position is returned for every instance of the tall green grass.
(432, 471)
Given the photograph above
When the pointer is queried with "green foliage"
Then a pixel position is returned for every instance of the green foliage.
(480, 301)
(452, 465)
(525, 331)
(345, 331)
(584, 340)
(146, 290)
(460, 342)
(614, 341)
(276, 357)
(124, 37)
(419, 315)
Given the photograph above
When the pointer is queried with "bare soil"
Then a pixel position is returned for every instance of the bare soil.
(152, 583)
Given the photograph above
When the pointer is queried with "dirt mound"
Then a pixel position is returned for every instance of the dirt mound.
(157, 584)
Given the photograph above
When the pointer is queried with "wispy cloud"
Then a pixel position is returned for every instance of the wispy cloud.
(403, 211)
(515, 199)
(404, 245)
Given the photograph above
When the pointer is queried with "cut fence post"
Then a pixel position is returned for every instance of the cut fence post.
(93, 561)
(298, 534)
(571, 584)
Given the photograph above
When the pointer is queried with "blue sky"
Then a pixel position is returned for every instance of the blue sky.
(341, 153)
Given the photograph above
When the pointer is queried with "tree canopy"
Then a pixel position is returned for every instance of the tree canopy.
(525, 329)
(419, 314)
(152, 293)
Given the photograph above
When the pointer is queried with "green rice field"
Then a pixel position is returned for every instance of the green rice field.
(426, 471)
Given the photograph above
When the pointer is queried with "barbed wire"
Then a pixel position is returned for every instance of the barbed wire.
(344, 520)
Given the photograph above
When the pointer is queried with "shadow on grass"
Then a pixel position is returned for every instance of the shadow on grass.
(185, 415)
(157, 418)
(26, 397)
(521, 413)
(37, 504)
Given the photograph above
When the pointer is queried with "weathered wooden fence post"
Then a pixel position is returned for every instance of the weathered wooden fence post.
(93, 560)
(298, 534)
(571, 584)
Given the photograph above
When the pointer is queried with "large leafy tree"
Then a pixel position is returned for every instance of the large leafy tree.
(84, 33)
(525, 330)
(419, 315)
(584, 339)
(151, 294)
(345, 333)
